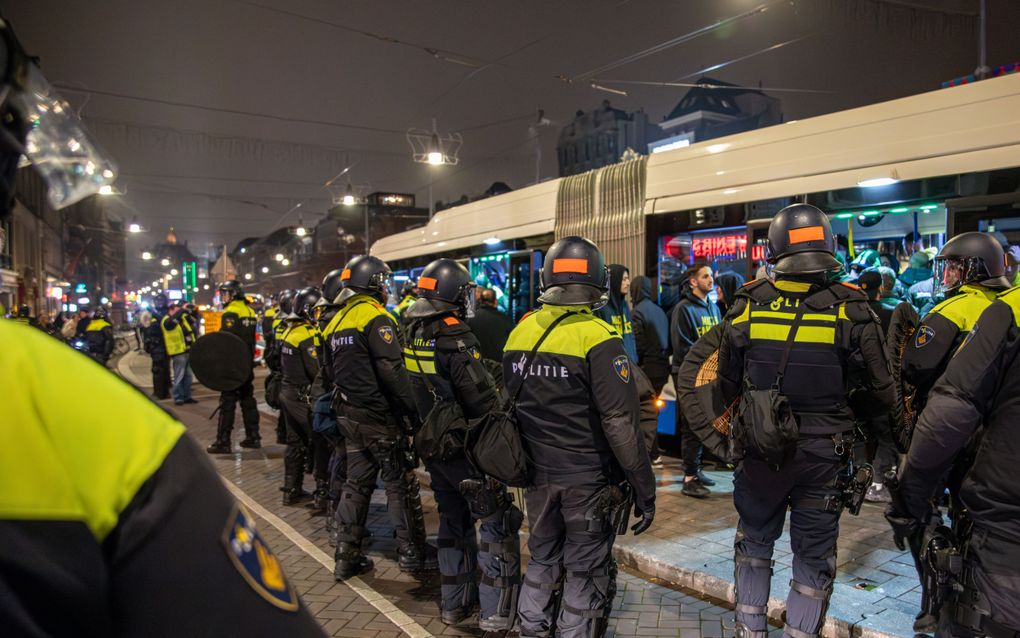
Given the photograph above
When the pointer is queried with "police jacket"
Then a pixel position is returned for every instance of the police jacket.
(837, 351)
(978, 394)
(299, 348)
(445, 350)
(176, 334)
(112, 520)
(266, 323)
(238, 318)
(153, 340)
(325, 354)
(578, 409)
(367, 361)
(691, 318)
(99, 337)
(941, 331)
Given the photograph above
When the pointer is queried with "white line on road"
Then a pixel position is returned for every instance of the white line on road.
(371, 596)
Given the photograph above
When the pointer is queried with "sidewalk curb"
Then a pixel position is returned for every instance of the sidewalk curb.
(714, 587)
(721, 589)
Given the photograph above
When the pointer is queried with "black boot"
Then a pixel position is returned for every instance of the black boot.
(351, 561)
(413, 559)
(223, 428)
(320, 498)
(219, 446)
(294, 495)
(293, 465)
(251, 439)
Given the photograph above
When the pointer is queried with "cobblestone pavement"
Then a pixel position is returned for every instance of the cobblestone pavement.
(642, 607)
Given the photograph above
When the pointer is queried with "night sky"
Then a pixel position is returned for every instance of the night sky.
(292, 92)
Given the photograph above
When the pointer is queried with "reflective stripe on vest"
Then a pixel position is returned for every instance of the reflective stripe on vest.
(174, 339)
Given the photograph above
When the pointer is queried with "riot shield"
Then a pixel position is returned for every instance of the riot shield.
(221, 361)
(904, 415)
(699, 396)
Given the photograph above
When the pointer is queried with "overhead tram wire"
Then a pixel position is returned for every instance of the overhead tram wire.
(668, 44)
(720, 87)
(723, 65)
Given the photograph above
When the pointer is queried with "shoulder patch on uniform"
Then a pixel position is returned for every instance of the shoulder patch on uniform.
(925, 334)
(622, 366)
(451, 321)
(386, 332)
(252, 557)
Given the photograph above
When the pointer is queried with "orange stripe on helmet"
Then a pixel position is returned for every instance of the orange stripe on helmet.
(427, 283)
(345, 275)
(808, 233)
(570, 265)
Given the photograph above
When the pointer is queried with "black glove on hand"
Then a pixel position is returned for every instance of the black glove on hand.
(647, 517)
(903, 525)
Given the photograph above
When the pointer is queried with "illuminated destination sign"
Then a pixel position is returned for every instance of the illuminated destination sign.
(725, 247)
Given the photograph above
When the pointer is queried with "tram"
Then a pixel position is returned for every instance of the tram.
(927, 166)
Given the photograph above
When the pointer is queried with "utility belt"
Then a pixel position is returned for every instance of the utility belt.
(951, 569)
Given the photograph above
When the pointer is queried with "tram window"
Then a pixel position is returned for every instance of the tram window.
(725, 250)
(1007, 231)
(493, 271)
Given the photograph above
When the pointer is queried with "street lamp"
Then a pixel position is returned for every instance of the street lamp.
(278, 257)
(173, 272)
(165, 262)
(247, 276)
(265, 269)
(285, 262)
(146, 255)
(134, 228)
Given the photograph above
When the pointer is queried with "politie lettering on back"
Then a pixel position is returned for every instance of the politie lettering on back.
(540, 370)
(341, 340)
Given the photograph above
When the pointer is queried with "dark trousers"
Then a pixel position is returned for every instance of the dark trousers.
(161, 376)
(997, 587)
(249, 410)
(571, 573)
(302, 441)
(762, 496)
(376, 451)
(497, 557)
(690, 446)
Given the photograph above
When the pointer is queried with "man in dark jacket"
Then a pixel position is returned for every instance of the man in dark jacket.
(615, 312)
(871, 283)
(651, 334)
(692, 317)
(490, 326)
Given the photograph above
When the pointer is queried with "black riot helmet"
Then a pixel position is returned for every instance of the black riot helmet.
(801, 242)
(231, 290)
(285, 300)
(100, 312)
(365, 274)
(303, 301)
(159, 302)
(444, 286)
(24, 311)
(331, 285)
(574, 274)
(408, 289)
(970, 258)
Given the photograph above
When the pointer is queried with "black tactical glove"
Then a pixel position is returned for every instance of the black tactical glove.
(647, 516)
(903, 525)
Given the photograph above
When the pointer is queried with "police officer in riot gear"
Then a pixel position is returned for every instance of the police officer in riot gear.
(976, 403)
(578, 415)
(238, 318)
(272, 328)
(375, 412)
(445, 364)
(155, 347)
(325, 310)
(969, 270)
(300, 347)
(814, 341)
(99, 336)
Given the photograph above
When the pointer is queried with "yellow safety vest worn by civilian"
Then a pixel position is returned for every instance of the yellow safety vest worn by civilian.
(112, 521)
(175, 338)
(940, 334)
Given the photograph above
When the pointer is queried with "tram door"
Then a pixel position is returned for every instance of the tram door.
(525, 266)
(757, 239)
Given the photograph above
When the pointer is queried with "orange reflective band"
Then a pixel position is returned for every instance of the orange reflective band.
(850, 285)
(345, 275)
(808, 233)
(427, 283)
(451, 321)
(570, 265)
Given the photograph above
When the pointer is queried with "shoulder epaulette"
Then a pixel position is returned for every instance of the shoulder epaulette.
(760, 291)
(834, 295)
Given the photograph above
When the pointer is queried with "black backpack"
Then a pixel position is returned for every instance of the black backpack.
(494, 441)
(764, 426)
(444, 430)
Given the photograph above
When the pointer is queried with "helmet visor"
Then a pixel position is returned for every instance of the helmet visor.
(953, 272)
(71, 164)
(470, 300)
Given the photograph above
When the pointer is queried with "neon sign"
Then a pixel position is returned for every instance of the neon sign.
(725, 247)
